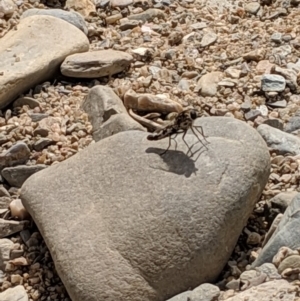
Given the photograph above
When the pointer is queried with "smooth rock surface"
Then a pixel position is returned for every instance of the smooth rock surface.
(154, 223)
(29, 61)
(107, 113)
(286, 234)
(71, 17)
(279, 141)
(95, 64)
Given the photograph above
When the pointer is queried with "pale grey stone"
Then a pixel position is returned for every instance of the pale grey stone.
(71, 17)
(17, 175)
(17, 293)
(285, 235)
(205, 292)
(272, 83)
(172, 217)
(252, 7)
(28, 61)
(96, 63)
(283, 143)
(102, 106)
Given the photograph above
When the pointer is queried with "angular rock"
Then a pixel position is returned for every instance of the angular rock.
(17, 293)
(275, 290)
(170, 218)
(264, 66)
(17, 175)
(282, 200)
(148, 15)
(126, 24)
(48, 125)
(42, 143)
(107, 113)
(150, 103)
(272, 83)
(208, 39)
(275, 123)
(286, 234)
(252, 7)
(84, 7)
(279, 141)
(252, 114)
(208, 83)
(205, 292)
(71, 17)
(29, 61)
(278, 104)
(96, 64)
(5, 248)
(289, 75)
(38, 116)
(8, 227)
(17, 154)
(293, 124)
(276, 37)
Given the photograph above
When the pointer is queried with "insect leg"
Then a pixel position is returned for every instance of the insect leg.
(189, 147)
(200, 131)
(199, 138)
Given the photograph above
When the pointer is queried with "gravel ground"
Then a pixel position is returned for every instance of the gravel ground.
(184, 42)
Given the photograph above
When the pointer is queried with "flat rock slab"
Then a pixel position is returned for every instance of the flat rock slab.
(286, 234)
(141, 226)
(96, 64)
(33, 53)
(279, 141)
(17, 175)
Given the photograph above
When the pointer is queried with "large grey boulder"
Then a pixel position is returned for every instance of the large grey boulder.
(33, 53)
(286, 234)
(124, 223)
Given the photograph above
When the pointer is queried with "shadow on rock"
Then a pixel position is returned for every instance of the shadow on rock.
(177, 161)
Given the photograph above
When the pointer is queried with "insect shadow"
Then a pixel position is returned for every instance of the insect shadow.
(177, 161)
